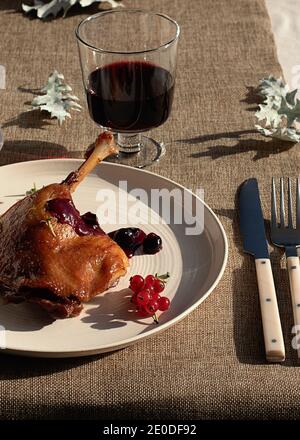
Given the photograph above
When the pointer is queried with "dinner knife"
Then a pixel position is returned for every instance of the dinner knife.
(255, 243)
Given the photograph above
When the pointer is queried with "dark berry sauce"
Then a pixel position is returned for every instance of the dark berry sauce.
(152, 244)
(131, 239)
(66, 213)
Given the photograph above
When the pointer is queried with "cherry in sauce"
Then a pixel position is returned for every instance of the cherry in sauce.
(131, 239)
(152, 243)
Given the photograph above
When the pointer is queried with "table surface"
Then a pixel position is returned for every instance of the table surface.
(212, 364)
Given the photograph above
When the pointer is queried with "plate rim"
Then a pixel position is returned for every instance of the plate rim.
(133, 339)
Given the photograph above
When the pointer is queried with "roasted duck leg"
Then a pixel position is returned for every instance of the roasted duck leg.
(53, 256)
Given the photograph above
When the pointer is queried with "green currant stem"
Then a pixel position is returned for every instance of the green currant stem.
(155, 319)
(164, 277)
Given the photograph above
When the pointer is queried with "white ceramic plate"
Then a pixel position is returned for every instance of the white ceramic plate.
(196, 264)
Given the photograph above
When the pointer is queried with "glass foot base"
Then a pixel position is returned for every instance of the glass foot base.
(149, 151)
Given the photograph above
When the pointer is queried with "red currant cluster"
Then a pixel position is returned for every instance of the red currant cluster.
(146, 294)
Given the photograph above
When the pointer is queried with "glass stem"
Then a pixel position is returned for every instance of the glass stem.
(129, 143)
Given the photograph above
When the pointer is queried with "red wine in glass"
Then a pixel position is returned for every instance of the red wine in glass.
(130, 96)
(128, 62)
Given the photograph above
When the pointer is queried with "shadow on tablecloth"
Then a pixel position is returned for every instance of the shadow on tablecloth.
(24, 150)
(35, 367)
(263, 147)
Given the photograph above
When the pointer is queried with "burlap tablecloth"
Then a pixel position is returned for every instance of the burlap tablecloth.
(212, 364)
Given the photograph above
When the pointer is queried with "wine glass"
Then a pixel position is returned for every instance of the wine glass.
(128, 62)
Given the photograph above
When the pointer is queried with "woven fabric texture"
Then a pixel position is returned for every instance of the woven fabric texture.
(212, 364)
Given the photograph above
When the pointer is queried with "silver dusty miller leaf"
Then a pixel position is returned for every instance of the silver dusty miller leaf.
(56, 98)
(55, 6)
(280, 110)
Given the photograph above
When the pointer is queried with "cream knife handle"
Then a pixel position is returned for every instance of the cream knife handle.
(294, 277)
(274, 344)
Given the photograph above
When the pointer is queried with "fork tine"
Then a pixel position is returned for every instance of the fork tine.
(273, 205)
(281, 203)
(290, 209)
(297, 203)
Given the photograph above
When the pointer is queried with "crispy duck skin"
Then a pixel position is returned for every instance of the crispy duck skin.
(47, 262)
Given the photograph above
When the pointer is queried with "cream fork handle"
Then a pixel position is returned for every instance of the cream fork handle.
(294, 277)
(273, 337)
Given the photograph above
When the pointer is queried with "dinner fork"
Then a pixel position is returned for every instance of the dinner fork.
(288, 236)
